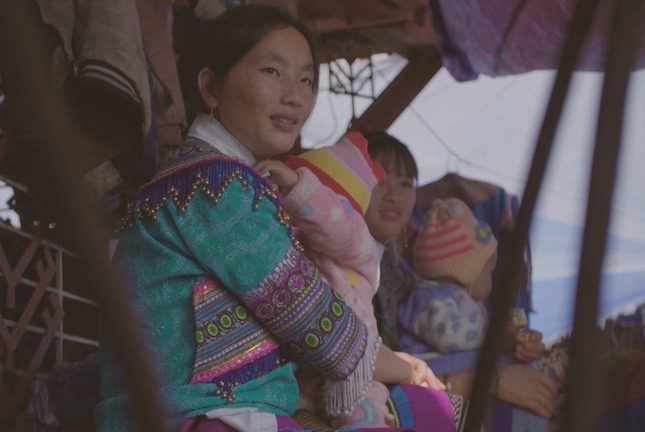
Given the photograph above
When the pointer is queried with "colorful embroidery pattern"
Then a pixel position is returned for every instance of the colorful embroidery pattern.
(287, 299)
(220, 319)
(196, 167)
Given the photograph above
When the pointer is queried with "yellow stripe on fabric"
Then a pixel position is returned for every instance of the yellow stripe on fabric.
(342, 174)
(306, 418)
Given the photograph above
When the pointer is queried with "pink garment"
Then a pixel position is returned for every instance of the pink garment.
(337, 240)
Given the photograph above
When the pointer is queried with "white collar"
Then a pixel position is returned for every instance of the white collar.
(216, 135)
(380, 247)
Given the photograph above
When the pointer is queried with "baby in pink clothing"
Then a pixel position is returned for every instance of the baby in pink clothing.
(326, 192)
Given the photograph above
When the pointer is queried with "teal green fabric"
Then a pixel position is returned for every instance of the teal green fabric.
(208, 216)
(164, 267)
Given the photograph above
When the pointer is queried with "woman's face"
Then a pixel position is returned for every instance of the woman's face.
(268, 95)
(391, 205)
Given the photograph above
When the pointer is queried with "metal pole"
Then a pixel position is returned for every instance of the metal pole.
(583, 368)
(504, 296)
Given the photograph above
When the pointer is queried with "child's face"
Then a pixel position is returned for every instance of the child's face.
(391, 205)
(481, 287)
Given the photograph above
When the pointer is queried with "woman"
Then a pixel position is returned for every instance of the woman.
(225, 296)
(387, 217)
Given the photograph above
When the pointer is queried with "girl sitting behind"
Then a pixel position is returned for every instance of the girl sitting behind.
(387, 217)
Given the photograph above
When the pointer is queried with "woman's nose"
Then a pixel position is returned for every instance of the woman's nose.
(392, 195)
(393, 198)
(292, 93)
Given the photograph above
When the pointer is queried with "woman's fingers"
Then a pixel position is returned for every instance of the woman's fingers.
(421, 374)
(544, 397)
(541, 406)
(278, 172)
(530, 348)
(437, 384)
(528, 388)
(430, 380)
(543, 391)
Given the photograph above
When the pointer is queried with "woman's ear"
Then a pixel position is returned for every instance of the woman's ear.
(206, 84)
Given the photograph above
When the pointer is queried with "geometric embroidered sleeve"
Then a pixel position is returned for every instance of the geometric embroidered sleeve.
(241, 236)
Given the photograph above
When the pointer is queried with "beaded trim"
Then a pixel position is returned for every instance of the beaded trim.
(342, 397)
(199, 167)
(227, 383)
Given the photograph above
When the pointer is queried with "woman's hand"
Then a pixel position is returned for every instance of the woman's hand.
(421, 374)
(528, 346)
(528, 388)
(280, 174)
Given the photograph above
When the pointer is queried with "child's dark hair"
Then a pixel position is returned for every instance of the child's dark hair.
(391, 153)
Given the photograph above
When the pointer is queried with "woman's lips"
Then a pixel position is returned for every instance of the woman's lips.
(284, 123)
(390, 215)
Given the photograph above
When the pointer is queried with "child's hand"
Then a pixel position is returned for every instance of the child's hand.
(280, 174)
(421, 374)
(528, 345)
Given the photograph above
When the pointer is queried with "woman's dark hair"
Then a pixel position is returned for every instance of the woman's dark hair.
(223, 42)
(391, 153)
(234, 33)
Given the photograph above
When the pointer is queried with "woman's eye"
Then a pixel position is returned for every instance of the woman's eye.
(380, 184)
(308, 81)
(270, 70)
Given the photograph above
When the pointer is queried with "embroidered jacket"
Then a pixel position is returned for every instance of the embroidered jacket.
(220, 285)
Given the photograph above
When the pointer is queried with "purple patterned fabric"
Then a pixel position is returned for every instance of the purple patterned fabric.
(503, 37)
(424, 409)
(203, 424)
(282, 309)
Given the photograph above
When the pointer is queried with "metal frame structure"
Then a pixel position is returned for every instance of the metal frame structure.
(349, 79)
(39, 308)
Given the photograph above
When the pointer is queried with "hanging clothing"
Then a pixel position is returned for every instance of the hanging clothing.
(100, 42)
(156, 21)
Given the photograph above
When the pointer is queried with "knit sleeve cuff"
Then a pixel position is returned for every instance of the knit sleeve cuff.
(306, 187)
(341, 397)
